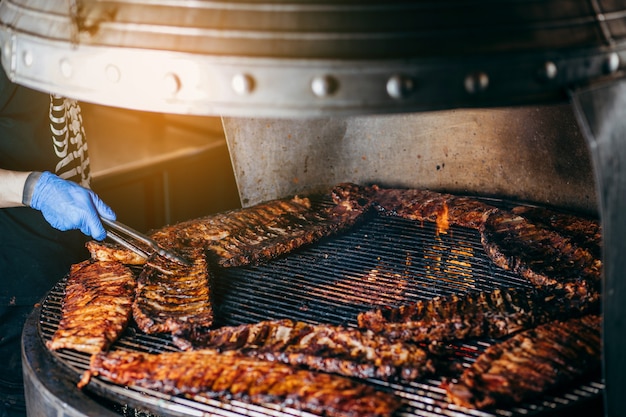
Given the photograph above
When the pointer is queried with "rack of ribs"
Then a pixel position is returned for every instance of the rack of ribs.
(322, 347)
(258, 233)
(494, 314)
(96, 308)
(172, 298)
(231, 375)
(530, 363)
(538, 252)
(424, 205)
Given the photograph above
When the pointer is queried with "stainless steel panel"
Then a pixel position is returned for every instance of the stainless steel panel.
(529, 153)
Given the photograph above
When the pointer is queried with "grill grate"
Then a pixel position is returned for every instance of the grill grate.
(385, 261)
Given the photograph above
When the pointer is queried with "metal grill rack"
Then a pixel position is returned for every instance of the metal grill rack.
(385, 261)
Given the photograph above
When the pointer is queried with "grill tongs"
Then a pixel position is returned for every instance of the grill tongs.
(137, 242)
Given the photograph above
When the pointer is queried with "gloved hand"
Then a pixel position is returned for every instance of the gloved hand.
(66, 205)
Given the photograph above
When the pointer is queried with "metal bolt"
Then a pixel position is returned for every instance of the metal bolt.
(324, 85)
(476, 82)
(28, 58)
(66, 68)
(612, 63)
(242, 84)
(400, 86)
(550, 70)
(171, 83)
(113, 73)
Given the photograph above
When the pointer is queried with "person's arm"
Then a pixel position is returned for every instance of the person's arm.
(64, 204)
(12, 187)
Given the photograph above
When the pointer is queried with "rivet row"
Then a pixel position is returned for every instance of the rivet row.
(398, 86)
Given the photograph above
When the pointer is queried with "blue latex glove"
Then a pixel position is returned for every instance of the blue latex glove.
(66, 206)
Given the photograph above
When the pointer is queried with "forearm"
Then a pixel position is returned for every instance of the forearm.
(12, 187)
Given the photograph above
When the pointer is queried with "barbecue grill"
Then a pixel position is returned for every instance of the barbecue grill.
(320, 74)
(391, 261)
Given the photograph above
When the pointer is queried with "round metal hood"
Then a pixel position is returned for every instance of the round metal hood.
(310, 58)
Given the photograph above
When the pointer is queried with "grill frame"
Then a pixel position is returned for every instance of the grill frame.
(384, 250)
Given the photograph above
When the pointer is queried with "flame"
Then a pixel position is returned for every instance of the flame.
(443, 223)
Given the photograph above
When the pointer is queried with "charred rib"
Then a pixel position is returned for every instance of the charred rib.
(537, 252)
(102, 251)
(173, 298)
(485, 314)
(582, 231)
(530, 363)
(424, 205)
(268, 230)
(231, 375)
(96, 307)
(327, 348)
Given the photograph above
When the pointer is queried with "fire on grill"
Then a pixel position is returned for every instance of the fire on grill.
(521, 282)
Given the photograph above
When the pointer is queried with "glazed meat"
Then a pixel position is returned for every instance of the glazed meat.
(102, 251)
(267, 230)
(485, 314)
(96, 307)
(582, 231)
(173, 298)
(537, 252)
(321, 347)
(233, 376)
(423, 205)
(530, 363)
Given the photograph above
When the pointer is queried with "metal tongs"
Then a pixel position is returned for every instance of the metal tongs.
(129, 237)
